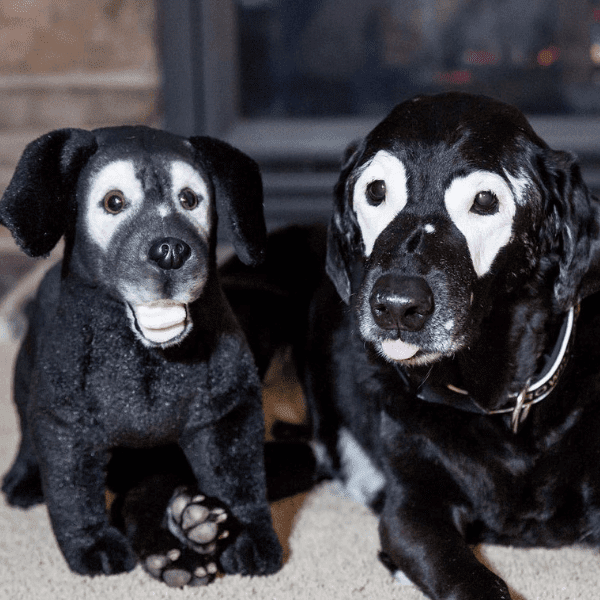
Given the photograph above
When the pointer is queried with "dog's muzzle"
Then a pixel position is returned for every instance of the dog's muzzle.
(400, 303)
(161, 322)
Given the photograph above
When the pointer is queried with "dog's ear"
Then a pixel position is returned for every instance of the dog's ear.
(239, 192)
(572, 230)
(38, 205)
(343, 237)
(335, 262)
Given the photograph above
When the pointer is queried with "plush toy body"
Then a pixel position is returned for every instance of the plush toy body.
(132, 343)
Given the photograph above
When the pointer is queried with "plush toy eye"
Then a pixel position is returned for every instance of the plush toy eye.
(485, 203)
(376, 192)
(114, 202)
(188, 199)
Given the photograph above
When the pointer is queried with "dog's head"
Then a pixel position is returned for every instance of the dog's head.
(450, 201)
(137, 208)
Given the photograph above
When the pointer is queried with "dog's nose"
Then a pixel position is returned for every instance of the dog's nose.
(401, 302)
(169, 253)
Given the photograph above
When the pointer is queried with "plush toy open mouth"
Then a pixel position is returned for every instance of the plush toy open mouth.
(398, 350)
(161, 322)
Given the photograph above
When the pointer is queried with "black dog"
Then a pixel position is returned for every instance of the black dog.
(132, 344)
(456, 386)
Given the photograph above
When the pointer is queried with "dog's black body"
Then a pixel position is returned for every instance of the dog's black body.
(132, 344)
(453, 282)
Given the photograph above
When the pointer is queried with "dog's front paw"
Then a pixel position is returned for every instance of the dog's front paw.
(255, 551)
(181, 567)
(108, 553)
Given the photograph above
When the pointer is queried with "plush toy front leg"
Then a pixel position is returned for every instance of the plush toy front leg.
(228, 462)
(73, 481)
(22, 484)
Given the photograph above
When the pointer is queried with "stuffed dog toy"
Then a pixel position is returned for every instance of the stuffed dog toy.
(453, 361)
(132, 344)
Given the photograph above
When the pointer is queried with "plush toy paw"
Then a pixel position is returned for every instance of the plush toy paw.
(108, 553)
(203, 526)
(198, 522)
(255, 551)
(178, 568)
(22, 485)
(190, 558)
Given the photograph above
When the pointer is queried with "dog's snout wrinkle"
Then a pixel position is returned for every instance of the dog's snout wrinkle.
(401, 302)
(169, 253)
(413, 242)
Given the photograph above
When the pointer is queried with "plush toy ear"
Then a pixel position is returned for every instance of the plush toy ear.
(39, 203)
(239, 192)
(574, 229)
(343, 238)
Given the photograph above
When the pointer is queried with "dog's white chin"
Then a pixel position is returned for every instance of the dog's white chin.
(161, 322)
(398, 350)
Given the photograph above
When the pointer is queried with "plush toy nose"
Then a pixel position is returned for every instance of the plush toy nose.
(169, 253)
(401, 303)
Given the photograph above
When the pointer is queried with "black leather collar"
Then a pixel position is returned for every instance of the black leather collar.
(535, 390)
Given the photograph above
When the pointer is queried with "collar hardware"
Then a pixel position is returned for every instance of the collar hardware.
(535, 390)
(520, 411)
(532, 393)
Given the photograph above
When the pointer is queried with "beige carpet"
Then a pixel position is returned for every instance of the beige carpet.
(331, 543)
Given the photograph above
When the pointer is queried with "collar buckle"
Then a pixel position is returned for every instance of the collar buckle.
(535, 392)
(521, 409)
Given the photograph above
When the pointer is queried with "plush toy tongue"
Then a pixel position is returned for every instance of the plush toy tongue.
(160, 323)
(398, 350)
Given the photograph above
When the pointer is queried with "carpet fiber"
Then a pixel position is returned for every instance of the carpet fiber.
(330, 542)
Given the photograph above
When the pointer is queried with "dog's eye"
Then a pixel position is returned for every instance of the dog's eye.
(376, 192)
(188, 199)
(114, 202)
(485, 203)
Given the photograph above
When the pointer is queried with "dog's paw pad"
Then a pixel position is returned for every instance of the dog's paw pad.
(196, 521)
(180, 569)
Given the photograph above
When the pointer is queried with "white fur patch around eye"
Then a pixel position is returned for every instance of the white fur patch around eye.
(486, 235)
(519, 186)
(372, 220)
(184, 175)
(117, 175)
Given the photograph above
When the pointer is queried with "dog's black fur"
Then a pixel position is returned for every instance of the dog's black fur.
(93, 379)
(480, 316)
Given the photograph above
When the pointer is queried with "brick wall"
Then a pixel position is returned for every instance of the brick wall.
(58, 36)
(74, 63)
